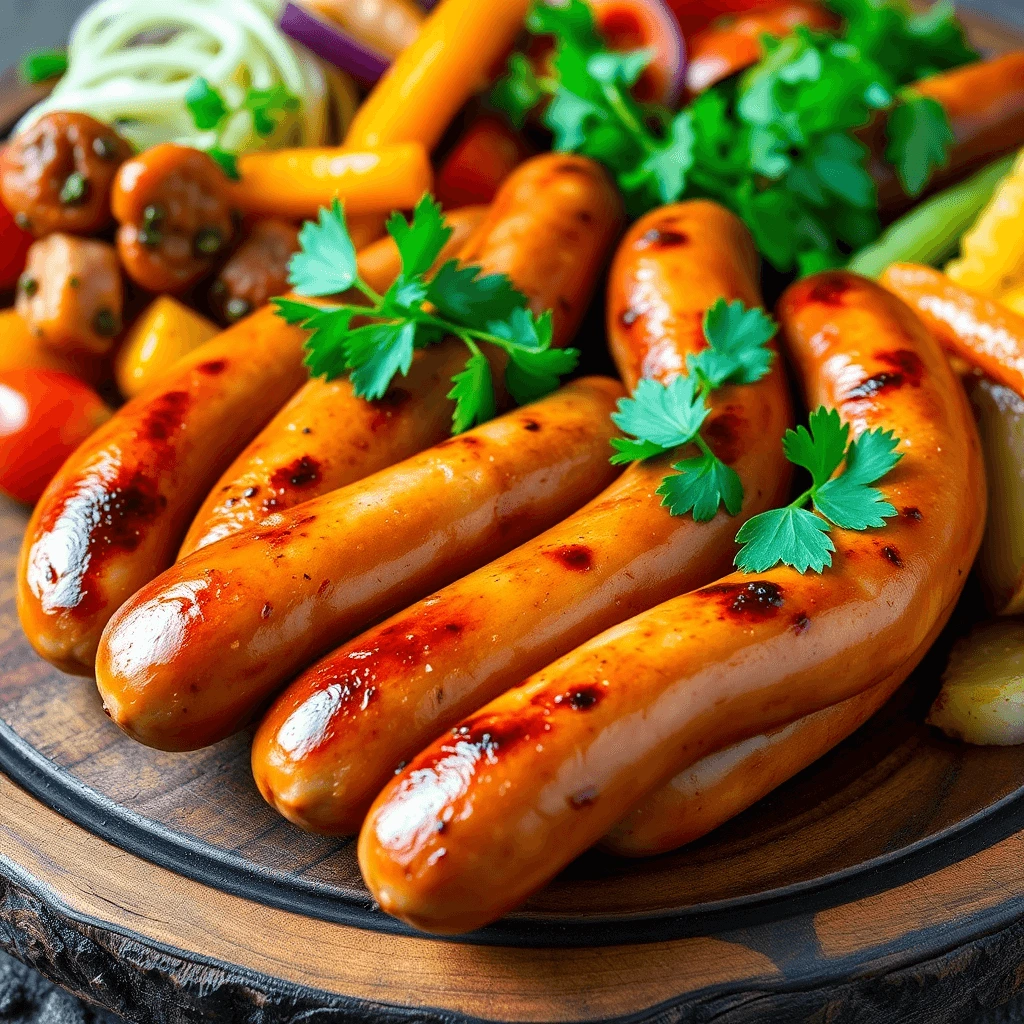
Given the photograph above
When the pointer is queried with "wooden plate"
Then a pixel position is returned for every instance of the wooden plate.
(162, 887)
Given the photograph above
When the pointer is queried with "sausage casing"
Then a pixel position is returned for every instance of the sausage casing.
(195, 655)
(323, 752)
(495, 808)
(550, 230)
(114, 515)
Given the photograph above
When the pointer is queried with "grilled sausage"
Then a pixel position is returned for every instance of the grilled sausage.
(985, 104)
(495, 808)
(549, 229)
(325, 750)
(257, 270)
(724, 784)
(56, 174)
(114, 515)
(261, 605)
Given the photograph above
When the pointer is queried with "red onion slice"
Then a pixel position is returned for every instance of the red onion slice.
(329, 43)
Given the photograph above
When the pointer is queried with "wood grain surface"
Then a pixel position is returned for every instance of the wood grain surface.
(883, 884)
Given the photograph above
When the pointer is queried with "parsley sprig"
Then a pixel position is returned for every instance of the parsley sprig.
(663, 417)
(373, 341)
(777, 145)
(795, 535)
(212, 113)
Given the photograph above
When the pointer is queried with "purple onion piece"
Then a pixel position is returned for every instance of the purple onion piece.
(329, 43)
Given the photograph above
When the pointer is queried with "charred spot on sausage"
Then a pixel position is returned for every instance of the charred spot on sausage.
(892, 554)
(574, 557)
(753, 602)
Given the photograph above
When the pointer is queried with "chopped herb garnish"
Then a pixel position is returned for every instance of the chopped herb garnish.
(663, 417)
(43, 66)
(418, 311)
(795, 535)
(776, 145)
(75, 190)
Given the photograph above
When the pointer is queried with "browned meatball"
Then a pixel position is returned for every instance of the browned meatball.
(176, 218)
(71, 295)
(257, 271)
(56, 174)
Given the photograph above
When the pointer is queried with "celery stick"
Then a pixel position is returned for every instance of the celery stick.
(931, 232)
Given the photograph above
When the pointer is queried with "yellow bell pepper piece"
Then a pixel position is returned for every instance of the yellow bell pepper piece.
(1014, 299)
(992, 252)
(165, 333)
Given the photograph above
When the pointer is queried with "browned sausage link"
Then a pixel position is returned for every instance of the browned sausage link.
(114, 515)
(261, 605)
(498, 806)
(256, 271)
(326, 437)
(550, 229)
(71, 295)
(324, 751)
(176, 217)
(56, 175)
(724, 784)
(985, 104)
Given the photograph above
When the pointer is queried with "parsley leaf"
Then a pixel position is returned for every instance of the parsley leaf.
(326, 261)
(794, 535)
(269, 107)
(700, 485)
(667, 415)
(375, 340)
(206, 105)
(737, 350)
(421, 241)
(228, 162)
(473, 394)
(663, 417)
(920, 140)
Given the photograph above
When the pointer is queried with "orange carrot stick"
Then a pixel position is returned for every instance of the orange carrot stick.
(431, 80)
(296, 183)
(979, 329)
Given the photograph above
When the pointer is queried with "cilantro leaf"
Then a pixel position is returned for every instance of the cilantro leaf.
(43, 66)
(462, 294)
(206, 105)
(473, 394)
(627, 450)
(737, 338)
(701, 485)
(872, 456)
(269, 107)
(920, 141)
(293, 313)
(820, 450)
(406, 295)
(668, 415)
(326, 263)
(376, 354)
(615, 68)
(420, 241)
(791, 536)
(570, 118)
(664, 171)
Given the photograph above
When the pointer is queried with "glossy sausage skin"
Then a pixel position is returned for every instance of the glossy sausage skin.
(322, 754)
(114, 515)
(550, 229)
(974, 327)
(499, 805)
(726, 783)
(197, 653)
(985, 104)
(326, 437)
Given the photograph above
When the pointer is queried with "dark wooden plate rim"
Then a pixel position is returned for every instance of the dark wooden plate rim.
(155, 843)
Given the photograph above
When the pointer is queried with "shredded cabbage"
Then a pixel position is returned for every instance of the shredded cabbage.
(131, 63)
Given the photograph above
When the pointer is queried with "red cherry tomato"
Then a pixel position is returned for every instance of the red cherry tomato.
(44, 416)
(488, 152)
(14, 246)
(695, 15)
